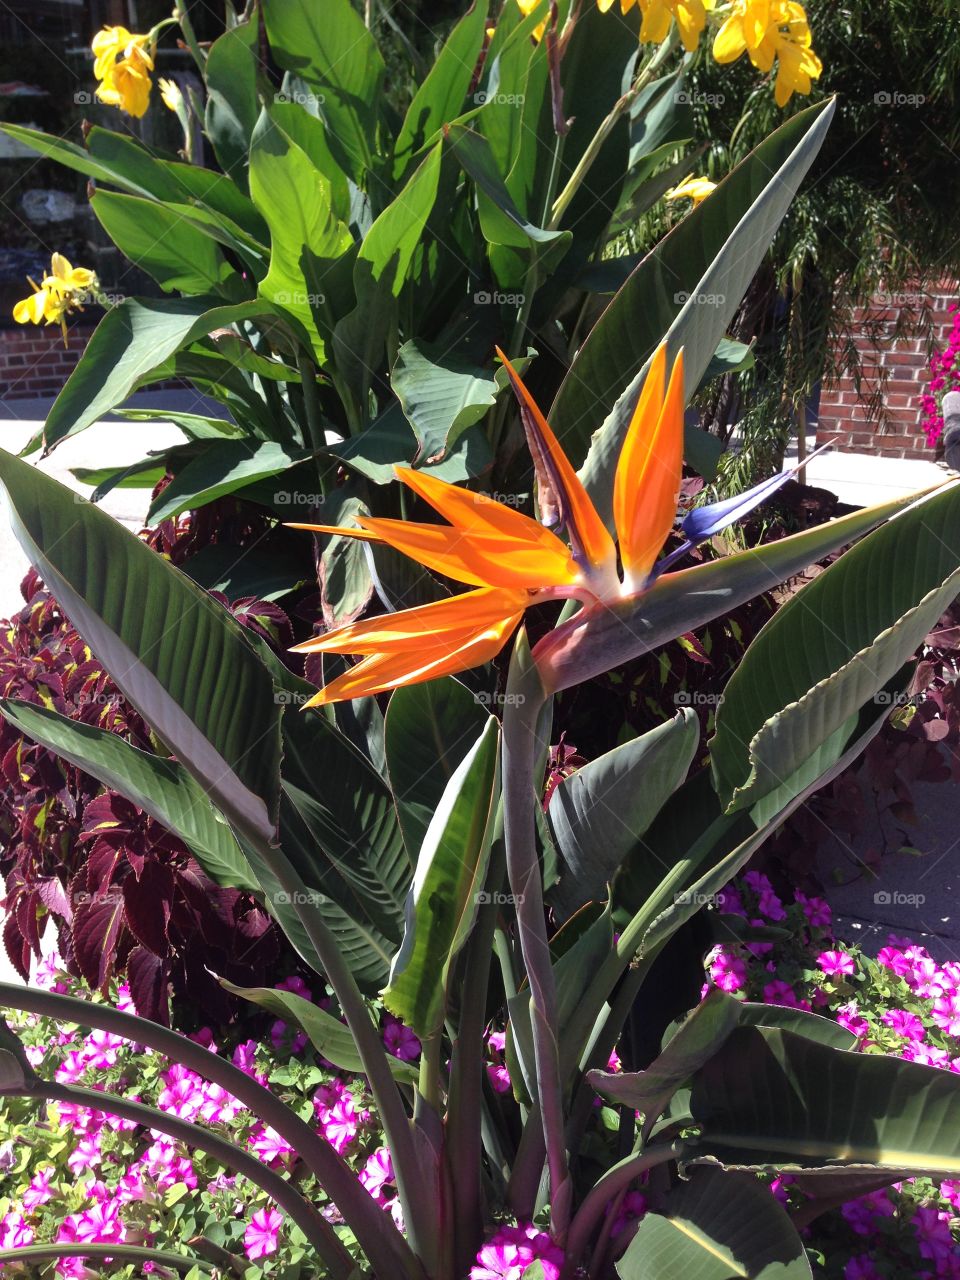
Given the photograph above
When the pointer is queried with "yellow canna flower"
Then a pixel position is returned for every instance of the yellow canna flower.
(690, 17)
(170, 94)
(695, 189)
(64, 289)
(510, 560)
(526, 8)
(123, 63)
(768, 31)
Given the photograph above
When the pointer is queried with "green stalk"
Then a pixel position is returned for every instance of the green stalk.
(376, 1234)
(411, 1182)
(464, 1145)
(311, 1222)
(118, 1253)
(311, 406)
(524, 700)
(607, 126)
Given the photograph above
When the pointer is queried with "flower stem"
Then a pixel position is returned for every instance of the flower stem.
(524, 702)
(607, 126)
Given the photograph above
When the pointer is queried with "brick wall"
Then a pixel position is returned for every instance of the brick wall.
(33, 361)
(843, 415)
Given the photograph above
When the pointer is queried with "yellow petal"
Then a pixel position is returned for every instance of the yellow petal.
(30, 310)
(730, 42)
(585, 529)
(649, 471)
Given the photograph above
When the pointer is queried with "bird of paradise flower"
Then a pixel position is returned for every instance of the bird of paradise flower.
(512, 562)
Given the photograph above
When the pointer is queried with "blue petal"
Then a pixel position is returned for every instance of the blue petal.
(704, 522)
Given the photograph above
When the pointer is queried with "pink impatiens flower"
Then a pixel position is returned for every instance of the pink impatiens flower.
(727, 971)
(400, 1040)
(260, 1237)
(15, 1231)
(836, 963)
(509, 1252)
(848, 1015)
(377, 1173)
(39, 1190)
(904, 1023)
(946, 1014)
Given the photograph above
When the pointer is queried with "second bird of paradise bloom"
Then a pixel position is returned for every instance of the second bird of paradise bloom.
(512, 562)
(692, 188)
(64, 289)
(123, 63)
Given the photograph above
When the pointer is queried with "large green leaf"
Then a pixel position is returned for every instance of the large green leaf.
(772, 1099)
(162, 242)
(598, 813)
(688, 287)
(832, 648)
(162, 788)
(597, 640)
(446, 891)
(429, 730)
(694, 1041)
(306, 239)
(329, 47)
(224, 467)
(230, 73)
(130, 342)
(716, 1226)
(441, 396)
(174, 653)
(439, 98)
(331, 1038)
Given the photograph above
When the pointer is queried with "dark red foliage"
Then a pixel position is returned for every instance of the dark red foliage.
(124, 895)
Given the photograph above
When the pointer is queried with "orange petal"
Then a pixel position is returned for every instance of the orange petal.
(649, 471)
(364, 535)
(426, 657)
(483, 559)
(426, 624)
(588, 536)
